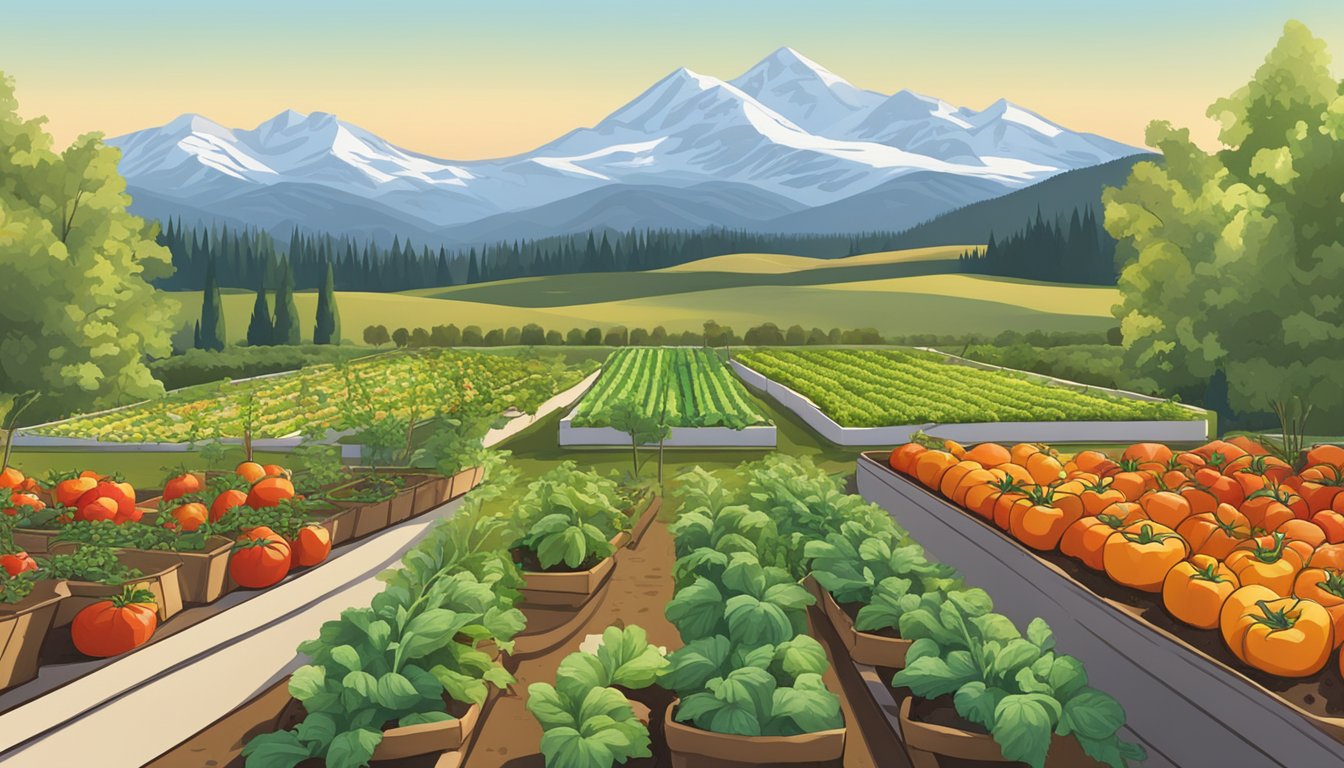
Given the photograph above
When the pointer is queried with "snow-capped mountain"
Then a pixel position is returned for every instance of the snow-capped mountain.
(785, 136)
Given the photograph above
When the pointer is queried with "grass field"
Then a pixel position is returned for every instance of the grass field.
(898, 293)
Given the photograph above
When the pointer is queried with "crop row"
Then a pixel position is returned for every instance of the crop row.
(322, 397)
(686, 387)
(878, 388)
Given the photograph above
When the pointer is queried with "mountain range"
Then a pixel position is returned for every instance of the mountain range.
(788, 146)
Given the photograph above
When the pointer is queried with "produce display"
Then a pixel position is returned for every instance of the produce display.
(688, 387)
(1227, 537)
(879, 388)
(321, 397)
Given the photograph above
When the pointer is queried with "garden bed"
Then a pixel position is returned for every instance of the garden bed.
(1192, 426)
(1161, 673)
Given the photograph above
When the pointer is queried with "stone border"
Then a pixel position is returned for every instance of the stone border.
(1003, 431)
(1188, 708)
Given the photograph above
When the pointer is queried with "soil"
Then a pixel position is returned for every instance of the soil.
(1321, 694)
(527, 560)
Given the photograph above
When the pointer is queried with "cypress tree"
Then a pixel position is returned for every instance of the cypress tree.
(211, 333)
(286, 314)
(260, 328)
(327, 326)
(473, 271)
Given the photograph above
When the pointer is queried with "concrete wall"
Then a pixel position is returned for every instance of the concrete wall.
(682, 437)
(1003, 431)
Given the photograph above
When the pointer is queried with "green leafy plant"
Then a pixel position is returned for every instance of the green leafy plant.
(1015, 687)
(424, 640)
(88, 563)
(585, 721)
(317, 466)
(568, 517)
(137, 535)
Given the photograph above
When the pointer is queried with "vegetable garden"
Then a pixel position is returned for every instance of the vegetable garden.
(876, 388)
(683, 386)
(327, 397)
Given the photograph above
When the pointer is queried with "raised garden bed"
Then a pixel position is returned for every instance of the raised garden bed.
(647, 511)
(884, 649)
(692, 747)
(159, 577)
(23, 628)
(1162, 673)
(1188, 423)
(558, 604)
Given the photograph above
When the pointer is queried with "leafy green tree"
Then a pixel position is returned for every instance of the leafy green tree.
(1233, 261)
(376, 335)
(78, 316)
(643, 428)
(532, 335)
(260, 328)
(286, 313)
(327, 325)
(401, 337)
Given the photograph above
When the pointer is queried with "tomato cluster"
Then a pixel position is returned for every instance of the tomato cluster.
(1232, 538)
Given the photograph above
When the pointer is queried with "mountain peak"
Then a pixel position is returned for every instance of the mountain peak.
(803, 91)
(786, 59)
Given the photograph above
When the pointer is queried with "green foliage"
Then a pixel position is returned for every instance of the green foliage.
(88, 563)
(587, 723)
(260, 328)
(422, 639)
(679, 387)
(317, 466)
(568, 516)
(79, 308)
(286, 327)
(327, 325)
(1233, 261)
(210, 333)
(876, 388)
(1016, 687)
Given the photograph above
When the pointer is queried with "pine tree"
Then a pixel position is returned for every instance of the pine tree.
(260, 328)
(286, 313)
(473, 271)
(327, 326)
(211, 330)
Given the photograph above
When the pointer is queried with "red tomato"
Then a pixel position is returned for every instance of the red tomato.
(68, 491)
(24, 500)
(312, 545)
(113, 627)
(190, 516)
(180, 486)
(108, 501)
(18, 563)
(225, 502)
(269, 492)
(260, 558)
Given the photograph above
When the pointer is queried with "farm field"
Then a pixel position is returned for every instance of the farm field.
(324, 397)
(691, 386)
(874, 388)
(857, 292)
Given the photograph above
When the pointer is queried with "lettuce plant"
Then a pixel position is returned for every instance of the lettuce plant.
(1016, 687)
(585, 721)
(569, 516)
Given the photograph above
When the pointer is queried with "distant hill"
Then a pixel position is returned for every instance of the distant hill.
(1008, 213)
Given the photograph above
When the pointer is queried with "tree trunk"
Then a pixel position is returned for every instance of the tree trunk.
(634, 455)
(661, 440)
(247, 443)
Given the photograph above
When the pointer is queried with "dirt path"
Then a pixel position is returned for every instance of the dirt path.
(639, 588)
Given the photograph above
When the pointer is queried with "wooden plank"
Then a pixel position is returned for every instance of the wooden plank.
(1185, 708)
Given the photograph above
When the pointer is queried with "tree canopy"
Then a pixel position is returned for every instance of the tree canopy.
(78, 316)
(1233, 261)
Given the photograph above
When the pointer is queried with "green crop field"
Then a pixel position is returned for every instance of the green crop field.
(683, 300)
(692, 387)
(877, 388)
(324, 396)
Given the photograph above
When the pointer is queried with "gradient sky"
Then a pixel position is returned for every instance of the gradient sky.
(467, 80)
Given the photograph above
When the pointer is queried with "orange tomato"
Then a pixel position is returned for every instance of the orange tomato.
(67, 492)
(11, 478)
(1270, 564)
(976, 478)
(1304, 531)
(1194, 591)
(931, 465)
(1147, 453)
(1023, 451)
(1040, 525)
(191, 516)
(1332, 455)
(225, 502)
(1044, 468)
(1284, 636)
(903, 459)
(1140, 554)
(1090, 461)
(182, 485)
(311, 546)
(1132, 484)
(988, 455)
(951, 478)
(1165, 507)
(1086, 538)
(1332, 523)
(250, 471)
(269, 492)
(1216, 534)
(1327, 588)
(260, 558)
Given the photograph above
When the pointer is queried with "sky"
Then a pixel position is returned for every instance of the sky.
(491, 78)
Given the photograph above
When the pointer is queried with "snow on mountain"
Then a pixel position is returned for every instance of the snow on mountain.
(787, 128)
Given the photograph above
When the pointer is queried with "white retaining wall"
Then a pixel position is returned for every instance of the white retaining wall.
(563, 400)
(681, 437)
(1003, 431)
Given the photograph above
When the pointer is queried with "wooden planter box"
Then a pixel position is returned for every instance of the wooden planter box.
(863, 647)
(23, 627)
(691, 747)
(557, 605)
(161, 577)
(414, 740)
(340, 524)
(34, 540)
(925, 743)
(204, 575)
(1224, 717)
(402, 506)
(431, 494)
